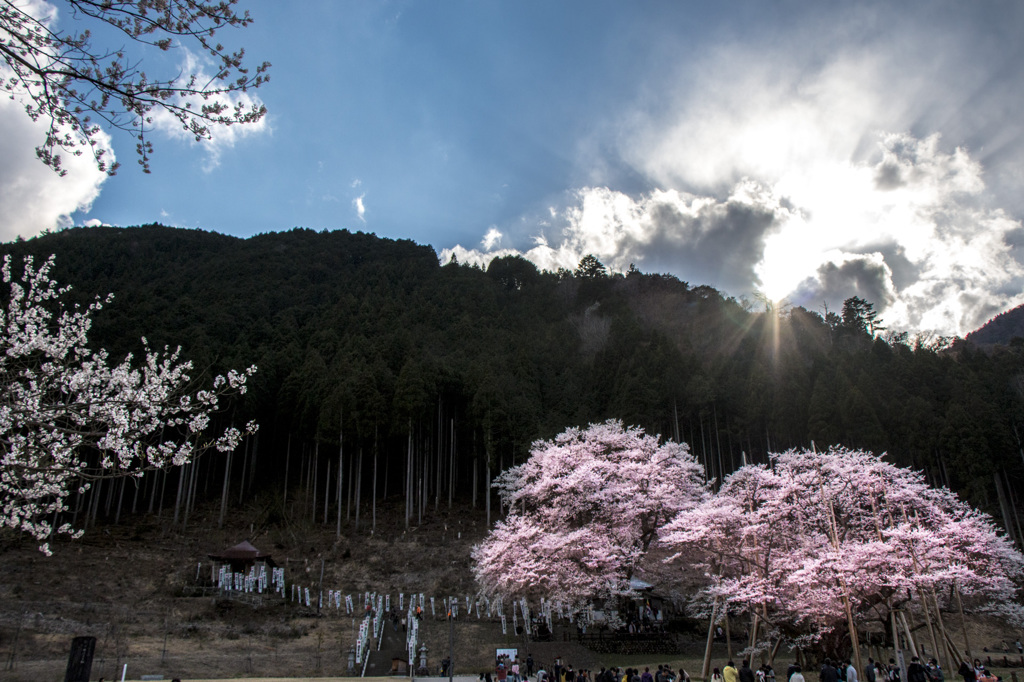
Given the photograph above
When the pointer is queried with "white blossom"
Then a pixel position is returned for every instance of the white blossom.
(67, 417)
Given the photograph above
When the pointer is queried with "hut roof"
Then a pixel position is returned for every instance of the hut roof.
(639, 585)
(243, 551)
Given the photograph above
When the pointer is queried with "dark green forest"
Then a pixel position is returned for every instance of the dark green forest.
(425, 379)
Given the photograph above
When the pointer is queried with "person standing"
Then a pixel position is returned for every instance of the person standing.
(797, 676)
(731, 674)
(869, 671)
(916, 672)
(828, 672)
(851, 672)
(746, 674)
(529, 665)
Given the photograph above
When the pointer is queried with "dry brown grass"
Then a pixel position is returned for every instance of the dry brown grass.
(125, 585)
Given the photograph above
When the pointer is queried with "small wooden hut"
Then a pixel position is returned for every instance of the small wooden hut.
(241, 557)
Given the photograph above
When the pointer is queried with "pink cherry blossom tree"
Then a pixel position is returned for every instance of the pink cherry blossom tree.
(68, 416)
(819, 543)
(582, 513)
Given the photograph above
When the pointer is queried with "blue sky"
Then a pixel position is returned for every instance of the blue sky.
(801, 150)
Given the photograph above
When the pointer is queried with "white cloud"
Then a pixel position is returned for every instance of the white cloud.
(32, 197)
(492, 239)
(222, 137)
(360, 207)
(863, 151)
(904, 230)
(697, 237)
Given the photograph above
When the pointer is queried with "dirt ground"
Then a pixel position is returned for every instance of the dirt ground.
(133, 587)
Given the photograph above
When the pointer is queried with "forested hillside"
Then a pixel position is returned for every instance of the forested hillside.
(433, 377)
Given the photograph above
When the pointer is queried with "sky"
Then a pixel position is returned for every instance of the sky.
(798, 151)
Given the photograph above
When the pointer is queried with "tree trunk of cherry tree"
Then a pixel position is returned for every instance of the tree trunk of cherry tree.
(728, 635)
(936, 651)
(897, 649)
(755, 621)
(910, 635)
(706, 666)
(951, 661)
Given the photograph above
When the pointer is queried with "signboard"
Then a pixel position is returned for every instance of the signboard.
(80, 659)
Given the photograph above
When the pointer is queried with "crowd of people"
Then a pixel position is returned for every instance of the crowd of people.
(743, 674)
(512, 670)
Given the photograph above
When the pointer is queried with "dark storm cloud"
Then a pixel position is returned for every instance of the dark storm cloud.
(888, 177)
(720, 244)
(866, 277)
(903, 271)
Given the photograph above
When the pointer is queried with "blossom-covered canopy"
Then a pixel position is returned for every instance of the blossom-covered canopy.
(583, 511)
